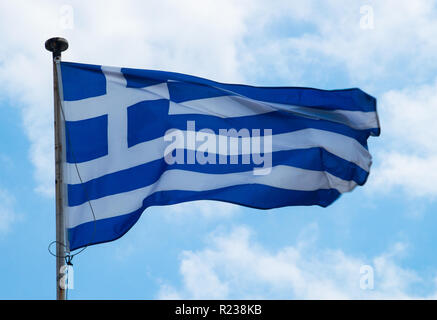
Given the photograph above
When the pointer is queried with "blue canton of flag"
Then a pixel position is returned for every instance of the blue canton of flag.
(139, 138)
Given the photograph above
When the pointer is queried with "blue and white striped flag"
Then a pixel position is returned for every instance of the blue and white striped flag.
(139, 138)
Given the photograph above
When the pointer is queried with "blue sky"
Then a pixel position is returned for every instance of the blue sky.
(214, 250)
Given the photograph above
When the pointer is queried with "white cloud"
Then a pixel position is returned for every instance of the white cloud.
(415, 175)
(234, 265)
(409, 157)
(323, 34)
(409, 115)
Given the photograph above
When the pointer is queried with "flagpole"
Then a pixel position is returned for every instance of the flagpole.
(56, 46)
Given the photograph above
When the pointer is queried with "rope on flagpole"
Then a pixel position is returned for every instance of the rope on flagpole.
(84, 189)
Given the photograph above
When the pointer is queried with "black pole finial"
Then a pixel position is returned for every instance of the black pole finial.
(56, 46)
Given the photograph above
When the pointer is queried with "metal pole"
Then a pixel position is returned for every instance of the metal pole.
(56, 46)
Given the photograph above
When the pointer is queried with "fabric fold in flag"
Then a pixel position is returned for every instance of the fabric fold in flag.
(139, 138)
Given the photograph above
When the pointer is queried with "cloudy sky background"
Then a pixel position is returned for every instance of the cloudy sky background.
(214, 250)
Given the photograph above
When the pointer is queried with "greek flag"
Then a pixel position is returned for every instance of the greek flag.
(140, 138)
